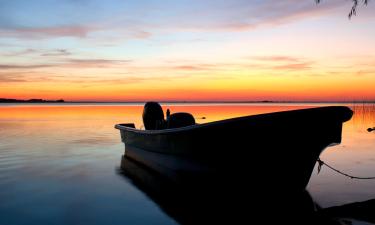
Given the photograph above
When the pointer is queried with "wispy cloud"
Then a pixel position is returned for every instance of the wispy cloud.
(57, 52)
(47, 32)
(204, 16)
(28, 77)
(192, 67)
(241, 15)
(294, 66)
(365, 72)
(11, 78)
(96, 62)
(283, 62)
(141, 34)
(89, 82)
(37, 52)
(28, 51)
(27, 67)
(66, 62)
(277, 58)
(195, 67)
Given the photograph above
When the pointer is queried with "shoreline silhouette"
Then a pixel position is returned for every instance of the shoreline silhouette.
(10, 100)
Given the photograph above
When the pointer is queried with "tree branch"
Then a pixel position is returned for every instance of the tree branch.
(353, 10)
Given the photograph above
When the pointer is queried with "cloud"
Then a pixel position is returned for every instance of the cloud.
(95, 62)
(194, 67)
(283, 62)
(266, 63)
(121, 20)
(107, 33)
(11, 78)
(28, 76)
(20, 53)
(31, 51)
(294, 66)
(244, 15)
(57, 52)
(277, 58)
(142, 34)
(364, 72)
(12, 66)
(83, 79)
(47, 32)
(98, 61)
(81, 63)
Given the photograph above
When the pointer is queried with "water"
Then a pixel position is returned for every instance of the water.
(355, 155)
(59, 163)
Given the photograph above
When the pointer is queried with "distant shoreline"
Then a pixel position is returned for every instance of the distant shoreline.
(61, 101)
(10, 100)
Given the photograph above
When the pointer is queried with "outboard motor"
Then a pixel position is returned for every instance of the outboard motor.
(153, 116)
(180, 119)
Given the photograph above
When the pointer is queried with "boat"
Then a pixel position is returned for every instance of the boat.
(278, 149)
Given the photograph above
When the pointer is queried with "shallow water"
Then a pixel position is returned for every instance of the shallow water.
(59, 163)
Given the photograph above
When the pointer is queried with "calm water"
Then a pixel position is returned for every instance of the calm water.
(59, 163)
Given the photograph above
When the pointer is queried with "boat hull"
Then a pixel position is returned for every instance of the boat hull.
(271, 148)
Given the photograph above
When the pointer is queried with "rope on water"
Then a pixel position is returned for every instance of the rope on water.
(321, 163)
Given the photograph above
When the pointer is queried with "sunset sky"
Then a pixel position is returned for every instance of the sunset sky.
(190, 50)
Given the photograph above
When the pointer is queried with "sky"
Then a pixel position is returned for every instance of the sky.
(187, 50)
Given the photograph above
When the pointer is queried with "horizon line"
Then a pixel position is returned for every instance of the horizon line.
(40, 100)
(200, 102)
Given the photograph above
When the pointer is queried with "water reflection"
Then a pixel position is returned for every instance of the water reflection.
(355, 155)
(191, 200)
(365, 114)
(57, 165)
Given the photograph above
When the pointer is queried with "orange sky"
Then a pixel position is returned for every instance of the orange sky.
(230, 50)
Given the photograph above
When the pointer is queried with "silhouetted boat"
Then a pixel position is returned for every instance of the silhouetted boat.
(274, 149)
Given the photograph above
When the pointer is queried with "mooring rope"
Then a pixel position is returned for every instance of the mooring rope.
(321, 163)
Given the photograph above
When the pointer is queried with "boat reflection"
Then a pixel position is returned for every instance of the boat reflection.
(219, 199)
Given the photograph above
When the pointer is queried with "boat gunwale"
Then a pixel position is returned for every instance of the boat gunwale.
(218, 122)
